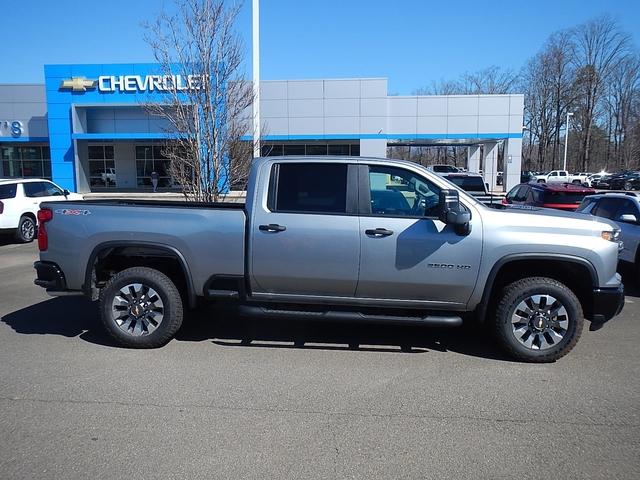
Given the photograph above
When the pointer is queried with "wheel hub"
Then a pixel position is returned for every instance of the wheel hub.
(137, 309)
(539, 322)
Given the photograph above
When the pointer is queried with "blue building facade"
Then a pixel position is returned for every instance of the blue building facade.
(88, 130)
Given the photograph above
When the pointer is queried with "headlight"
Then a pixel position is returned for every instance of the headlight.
(611, 235)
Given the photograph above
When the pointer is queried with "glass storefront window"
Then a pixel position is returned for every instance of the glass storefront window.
(102, 167)
(25, 161)
(150, 158)
(316, 148)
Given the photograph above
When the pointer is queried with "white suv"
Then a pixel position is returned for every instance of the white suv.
(20, 201)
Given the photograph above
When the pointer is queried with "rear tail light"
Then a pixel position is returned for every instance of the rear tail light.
(504, 201)
(44, 215)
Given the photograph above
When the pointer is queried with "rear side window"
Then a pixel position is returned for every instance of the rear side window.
(8, 191)
(311, 187)
(468, 184)
(564, 197)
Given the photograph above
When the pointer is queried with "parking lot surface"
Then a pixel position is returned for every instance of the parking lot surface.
(234, 398)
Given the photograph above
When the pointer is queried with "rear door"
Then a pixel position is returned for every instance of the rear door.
(305, 239)
(10, 194)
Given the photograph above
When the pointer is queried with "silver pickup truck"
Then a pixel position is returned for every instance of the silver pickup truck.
(342, 239)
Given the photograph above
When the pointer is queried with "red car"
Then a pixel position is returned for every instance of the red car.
(563, 196)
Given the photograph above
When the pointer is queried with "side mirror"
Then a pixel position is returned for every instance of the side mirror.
(452, 213)
(628, 218)
(65, 192)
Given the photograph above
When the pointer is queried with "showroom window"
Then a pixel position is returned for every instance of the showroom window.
(151, 158)
(102, 167)
(305, 149)
(25, 161)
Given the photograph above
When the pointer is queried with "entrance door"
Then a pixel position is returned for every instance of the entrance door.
(305, 240)
(407, 253)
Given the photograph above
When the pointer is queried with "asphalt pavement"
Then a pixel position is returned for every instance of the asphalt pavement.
(232, 398)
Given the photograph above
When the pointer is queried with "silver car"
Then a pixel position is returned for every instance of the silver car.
(624, 209)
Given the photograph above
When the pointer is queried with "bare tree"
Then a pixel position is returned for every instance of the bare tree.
(598, 48)
(622, 94)
(207, 104)
(491, 80)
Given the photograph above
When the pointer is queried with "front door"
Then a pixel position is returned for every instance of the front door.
(407, 253)
(305, 237)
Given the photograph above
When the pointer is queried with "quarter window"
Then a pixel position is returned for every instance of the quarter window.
(309, 187)
(8, 191)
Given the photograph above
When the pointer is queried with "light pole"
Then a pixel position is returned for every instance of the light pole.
(566, 141)
(256, 78)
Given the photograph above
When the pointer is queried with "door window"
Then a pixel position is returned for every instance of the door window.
(310, 187)
(8, 191)
(399, 192)
(607, 207)
(627, 207)
(521, 195)
(40, 189)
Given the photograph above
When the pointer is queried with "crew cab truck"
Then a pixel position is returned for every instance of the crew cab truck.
(561, 176)
(338, 238)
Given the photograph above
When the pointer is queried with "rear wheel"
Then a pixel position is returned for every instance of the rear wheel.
(626, 186)
(538, 320)
(541, 181)
(141, 308)
(577, 182)
(26, 229)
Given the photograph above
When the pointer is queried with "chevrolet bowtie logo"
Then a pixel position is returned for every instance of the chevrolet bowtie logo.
(78, 84)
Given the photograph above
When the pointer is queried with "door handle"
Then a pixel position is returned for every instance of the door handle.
(379, 232)
(272, 227)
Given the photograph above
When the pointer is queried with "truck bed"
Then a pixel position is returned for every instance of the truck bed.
(210, 237)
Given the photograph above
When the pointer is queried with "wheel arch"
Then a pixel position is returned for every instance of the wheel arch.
(140, 249)
(575, 272)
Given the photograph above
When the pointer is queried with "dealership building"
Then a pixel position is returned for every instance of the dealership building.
(86, 127)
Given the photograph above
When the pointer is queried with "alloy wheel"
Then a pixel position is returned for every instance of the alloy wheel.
(137, 309)
(540, 322)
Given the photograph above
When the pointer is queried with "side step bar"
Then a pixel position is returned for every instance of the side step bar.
(430, 320)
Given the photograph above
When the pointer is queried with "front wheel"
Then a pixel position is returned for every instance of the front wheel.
(541, 181)
(626, 186)
(141, 308)
(538, 320)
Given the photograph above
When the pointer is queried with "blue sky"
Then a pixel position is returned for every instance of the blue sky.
(411, 42)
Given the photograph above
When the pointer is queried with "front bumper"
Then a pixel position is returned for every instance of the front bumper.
(607, 303)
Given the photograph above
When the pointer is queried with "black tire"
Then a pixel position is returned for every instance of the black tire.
(26, 229)
(171, 308)
(627, 186)
(541, 181)
(512, 296)
(577, 182)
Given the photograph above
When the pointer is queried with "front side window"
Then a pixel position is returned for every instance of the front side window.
(311, 187)
(607, 208)
(399, 192)
(35, 189)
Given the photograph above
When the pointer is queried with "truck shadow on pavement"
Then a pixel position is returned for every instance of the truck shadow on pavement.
(76, 317)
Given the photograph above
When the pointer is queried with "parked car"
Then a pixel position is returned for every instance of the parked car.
(592, 179)
(564, 196)
(527, 175)
(625, 181)
(443, 169)
(624, 209)
(603, 182)
(20, 201)
(474, 184)
(560, 176)
(313, 241)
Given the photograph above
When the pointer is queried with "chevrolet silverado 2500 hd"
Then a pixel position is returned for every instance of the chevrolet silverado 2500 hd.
(340, 238)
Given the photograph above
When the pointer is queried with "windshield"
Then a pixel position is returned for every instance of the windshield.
(469, 184)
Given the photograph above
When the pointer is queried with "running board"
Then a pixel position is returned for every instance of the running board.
(430, 320)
